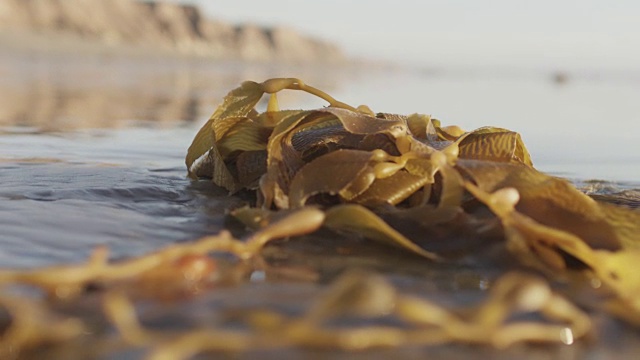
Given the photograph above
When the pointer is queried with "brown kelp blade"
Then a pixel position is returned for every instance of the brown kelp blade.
(282, 162)
(359, 123)
(244, 135)
(298, 222)
(520, 227)
(357, 219)
(239, 102)
(341, 171)
(625, 222)
(391, 190)
(556, 203)
(494, 144)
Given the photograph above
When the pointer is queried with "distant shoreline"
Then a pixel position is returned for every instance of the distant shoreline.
(147, 29)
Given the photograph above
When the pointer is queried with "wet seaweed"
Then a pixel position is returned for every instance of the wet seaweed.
(434, 193)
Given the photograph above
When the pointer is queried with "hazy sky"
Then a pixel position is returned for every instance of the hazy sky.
(592, 34)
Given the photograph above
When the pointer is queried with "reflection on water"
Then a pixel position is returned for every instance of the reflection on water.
(59, 94)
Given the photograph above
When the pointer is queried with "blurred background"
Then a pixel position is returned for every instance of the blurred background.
(565, 74)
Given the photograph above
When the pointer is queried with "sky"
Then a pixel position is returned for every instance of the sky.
(549, 34)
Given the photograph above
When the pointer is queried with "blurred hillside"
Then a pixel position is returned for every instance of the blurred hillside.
(149, 27)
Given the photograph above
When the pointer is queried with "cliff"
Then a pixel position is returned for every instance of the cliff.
(135, 26)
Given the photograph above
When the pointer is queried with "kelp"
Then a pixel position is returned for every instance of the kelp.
(369, 297)
(360, 167)
(356, 294)
(437, 194)
(348, 155)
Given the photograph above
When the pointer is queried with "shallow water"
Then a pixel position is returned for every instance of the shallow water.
(96, 156)
(64, 194)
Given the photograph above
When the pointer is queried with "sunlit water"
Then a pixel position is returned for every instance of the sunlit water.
(64, 194)
(102, 165)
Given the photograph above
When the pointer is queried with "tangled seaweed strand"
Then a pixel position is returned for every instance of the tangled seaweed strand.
(355, 293)
(398, 180)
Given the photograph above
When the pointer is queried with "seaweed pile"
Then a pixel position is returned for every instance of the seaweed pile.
(352, 163)
(436, 193)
